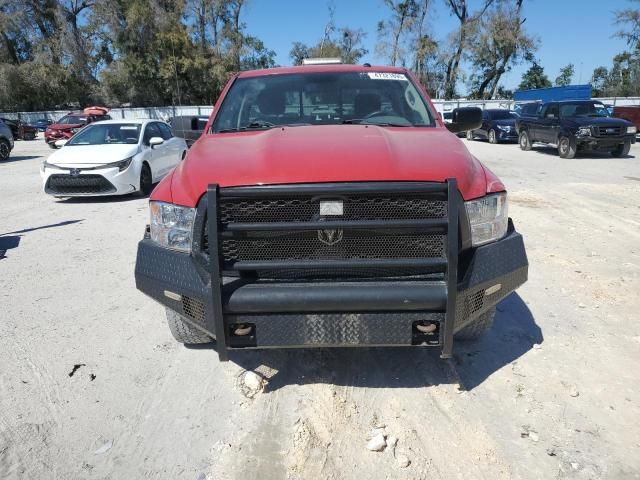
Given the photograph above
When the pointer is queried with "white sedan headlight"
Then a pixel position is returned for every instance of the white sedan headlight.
(488, 218)
(172, 225)
(632, 130)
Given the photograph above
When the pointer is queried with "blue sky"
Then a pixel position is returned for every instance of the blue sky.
(570, 31)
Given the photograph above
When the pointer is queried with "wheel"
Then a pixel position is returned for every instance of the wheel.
(29, 136)
(183, 331)
(492, 136)
(622, 150)
(525, 142)
(53, 146)
(5, 150)
(146, 181)
(469, 135)
(477, 327)
(566, 147)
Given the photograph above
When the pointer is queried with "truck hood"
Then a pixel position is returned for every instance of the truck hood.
(330, 153)
(599, 121)
(91, 155)
(64, 126)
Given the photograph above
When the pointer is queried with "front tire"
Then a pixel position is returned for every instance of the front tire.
(622, 150)
(5, 150)
(566, 147)
(524, 141)
(492, 136)
(146, 180)
(183, 331)
(53, 146)
(478, 327)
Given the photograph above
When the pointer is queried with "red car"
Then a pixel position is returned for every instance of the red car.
(328, 206)
(70, 124)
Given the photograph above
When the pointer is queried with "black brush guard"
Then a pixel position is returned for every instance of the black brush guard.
(217, 296)
(246, 304)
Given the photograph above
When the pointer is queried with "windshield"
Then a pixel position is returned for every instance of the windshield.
(107, 133)
(323, 99)
(583, 109)
(72, 119)
(502, 115)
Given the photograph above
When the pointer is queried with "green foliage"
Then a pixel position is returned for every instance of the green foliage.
(68, 53)
(534, 78)
(498, 42)
(566, 75)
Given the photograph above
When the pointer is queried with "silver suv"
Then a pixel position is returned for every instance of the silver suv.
(6, 141)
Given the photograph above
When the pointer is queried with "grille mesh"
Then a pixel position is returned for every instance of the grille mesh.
(354, 245)
(341, 244)
(608, 131)
(304, 209)
(82, 184)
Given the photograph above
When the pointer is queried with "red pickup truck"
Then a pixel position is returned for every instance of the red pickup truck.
(330, 206)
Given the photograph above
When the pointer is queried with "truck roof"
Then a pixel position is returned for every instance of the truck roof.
(320, 69)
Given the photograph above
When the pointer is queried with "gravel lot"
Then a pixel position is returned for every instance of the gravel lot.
(93, 386)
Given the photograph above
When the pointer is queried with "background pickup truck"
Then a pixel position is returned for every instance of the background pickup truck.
(574, 126)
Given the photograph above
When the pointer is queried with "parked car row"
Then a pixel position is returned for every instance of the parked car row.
(572, 126)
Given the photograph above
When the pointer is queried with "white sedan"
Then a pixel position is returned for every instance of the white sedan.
(113, 157)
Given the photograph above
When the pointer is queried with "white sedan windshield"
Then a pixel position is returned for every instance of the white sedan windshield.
(110, 133)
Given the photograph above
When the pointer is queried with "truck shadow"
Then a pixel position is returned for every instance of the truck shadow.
(581, 155)
(10, 241)
(18, 158)
(513, 334)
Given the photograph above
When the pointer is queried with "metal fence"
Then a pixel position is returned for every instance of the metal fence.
(164, 113)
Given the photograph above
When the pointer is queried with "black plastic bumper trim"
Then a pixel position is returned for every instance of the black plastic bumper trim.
(431, 263)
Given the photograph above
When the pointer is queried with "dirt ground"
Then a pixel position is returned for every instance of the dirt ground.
(92, 386)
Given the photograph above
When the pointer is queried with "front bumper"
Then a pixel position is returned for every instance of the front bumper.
(507, 135)
(71, 182)
(603, 143)
(372, 313)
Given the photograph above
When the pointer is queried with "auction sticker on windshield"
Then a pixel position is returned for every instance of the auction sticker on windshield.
(387, 76)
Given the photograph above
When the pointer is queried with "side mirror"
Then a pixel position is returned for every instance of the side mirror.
(465, 119)
(155, 141)
(60, 143)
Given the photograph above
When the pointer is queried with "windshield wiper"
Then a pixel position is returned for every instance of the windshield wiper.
(255, 125)
(363, 121)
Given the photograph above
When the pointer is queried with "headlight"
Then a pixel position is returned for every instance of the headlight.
(46, 165)
(172, 225)
(122, 164)
(506, 128)
(632, 130)
(488, 218)
(584, 131)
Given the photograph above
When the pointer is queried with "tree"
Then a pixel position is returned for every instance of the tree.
(534, 78)
(629, 20)
(392, 32)
(459, 41)
(498, 43)
(344, 43)
(599, 81)
(566, 75)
